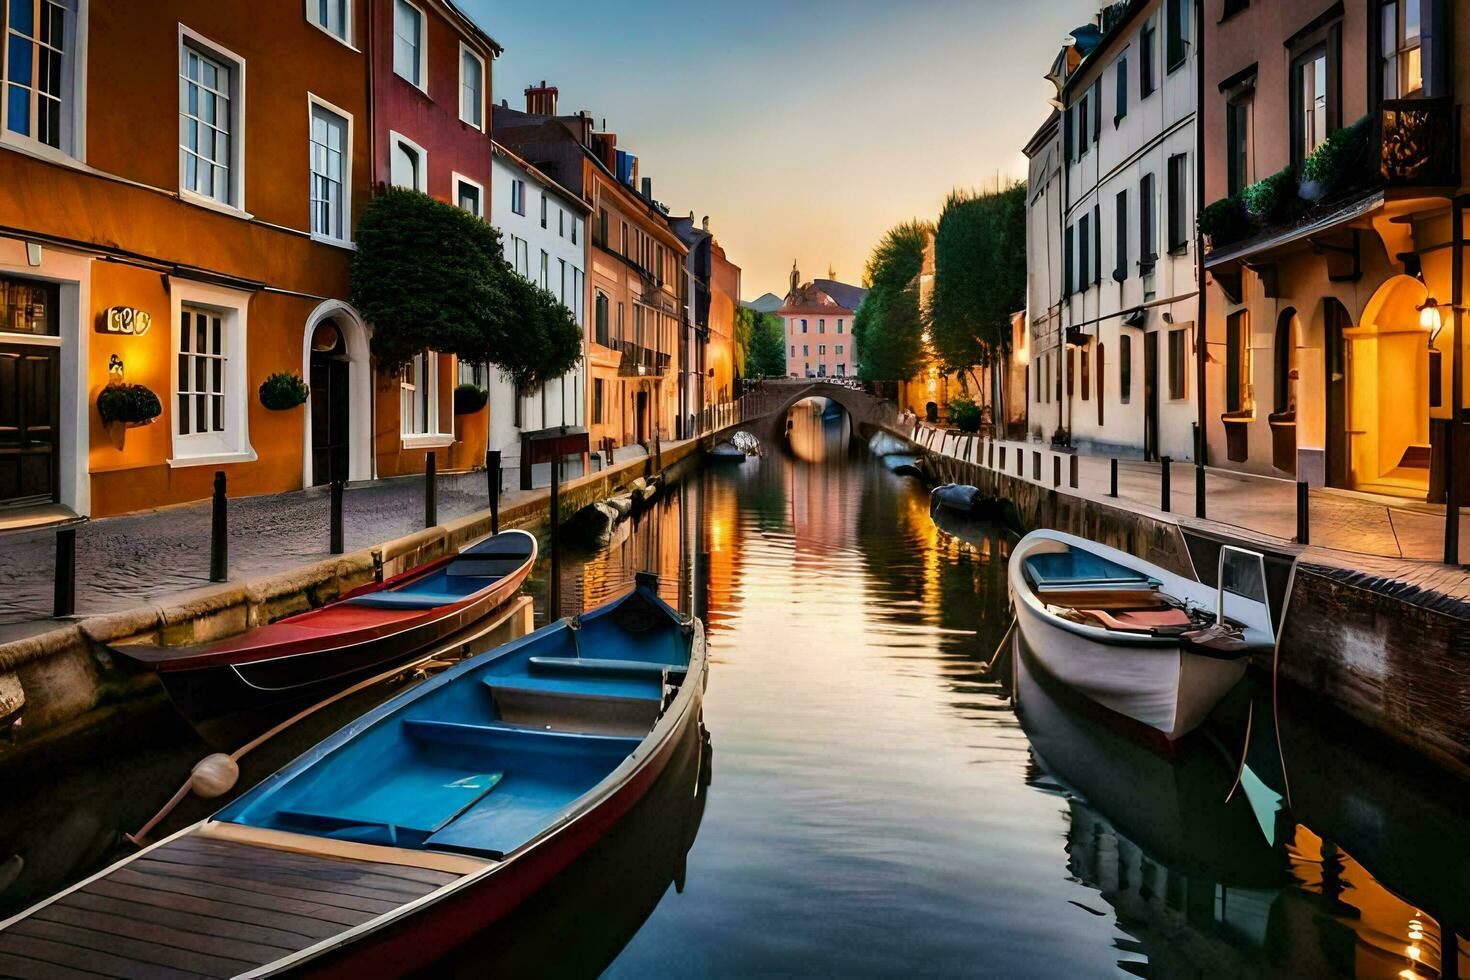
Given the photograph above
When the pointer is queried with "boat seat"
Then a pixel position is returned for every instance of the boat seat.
(483, 567)
(1136, 620)
(509, 737)
(1121, 598)
(501, 546)
(428, 808)
(644, 687)
(599, 667)
(1074, 570)
(406, 600)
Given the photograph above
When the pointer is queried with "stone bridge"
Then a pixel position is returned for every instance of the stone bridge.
(864, 402)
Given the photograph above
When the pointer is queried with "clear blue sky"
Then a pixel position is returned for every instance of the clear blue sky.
(803, 128)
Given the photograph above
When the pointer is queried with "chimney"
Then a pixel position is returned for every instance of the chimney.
(541, 99)
(648, 188)
(705, 225)
(504, 104)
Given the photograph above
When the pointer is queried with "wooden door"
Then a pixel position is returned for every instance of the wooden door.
(1334, 351)
(1151, 395)
(330, 418)
(30, 418)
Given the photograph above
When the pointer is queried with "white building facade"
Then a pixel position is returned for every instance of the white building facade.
(543, 229)
(1044, 409)
(1124, 381)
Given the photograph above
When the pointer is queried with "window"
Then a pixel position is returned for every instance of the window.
(30, 307)
(599, 313)
(1146, 59)
(822, 325)
(1239, 394)
(841, 370)
(793, 350)
(409, 61)
(210, 396)
(543, 209)
(1071, 370)
(523, 257)
(1120, 83)
(40, 91)
(1083, 115)
(1310, 109)
(597, 397)
(1125, 369)
(1148, 242)
(1086, 376)
(1179, 218)
(471, 88)
(1120, 237)
(1178, 28)
(1237, 144)
(1097, 109)
(1101, 374)
(545, 270)
(822, 349)
(1096, 243)
(575, 222)
(331, 16)
(469, 195)
(408, 164)
(1069, 263)
(329, 143)
(561, 223)
(839, 350)
(625, 240)
(562, 278)
(1401, 67)
(1176, 364)
(518, 196)
(803, 325)
(1084, 239)
(806, 350)
(209, 122)
(839, 324)
(619, 337)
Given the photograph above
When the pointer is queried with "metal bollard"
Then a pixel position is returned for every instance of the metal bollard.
(1113, 477)
(1164, 462)
(335, 535)
(431, 490)
(492, 475)
(1199, 490)
(219, 533)
(64, 598)
(1073, 474)
(1303, 521)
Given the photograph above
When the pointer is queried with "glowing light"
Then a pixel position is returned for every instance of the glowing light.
(115, 370)
(1414, 952)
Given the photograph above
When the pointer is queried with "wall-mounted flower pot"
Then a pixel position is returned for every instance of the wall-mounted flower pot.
(282, 392)
(131, 404)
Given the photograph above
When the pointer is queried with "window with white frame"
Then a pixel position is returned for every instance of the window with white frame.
(545, 270)
(210, 396)
(523, 257)
(471, 88)
(331, 16)
(543, 209)
(328, 173)
(418, 400)
(40, 71)
(408, 43)
(209, 122)
(408, 164)
(469, 195)
(518, 196)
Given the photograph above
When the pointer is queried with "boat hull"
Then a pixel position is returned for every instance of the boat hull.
(425, 935)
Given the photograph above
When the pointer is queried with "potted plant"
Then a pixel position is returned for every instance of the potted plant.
(965, 415)
(469, 399)
(1335, 162)
(131, 404)
(282, 391)
(1269, 200)
(1224, 221)
(1061, 438)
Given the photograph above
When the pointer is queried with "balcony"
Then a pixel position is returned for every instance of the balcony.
(641, 362)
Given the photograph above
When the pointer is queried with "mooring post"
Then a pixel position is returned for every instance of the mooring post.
(1199, 490)
(64, 598)
(1073, 474)
(1164, 462)
(553, 597)
(431, 490)
(492, 474)
(335, 534)
(1303, 522)
(219, 533)
(1113, 477)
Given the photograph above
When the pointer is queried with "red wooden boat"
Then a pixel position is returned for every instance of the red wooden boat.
(365, 631)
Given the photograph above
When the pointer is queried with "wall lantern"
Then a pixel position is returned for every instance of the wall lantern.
(1430, 318)
(114, 370)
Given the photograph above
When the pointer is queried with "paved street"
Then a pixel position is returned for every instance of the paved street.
(1342, 520)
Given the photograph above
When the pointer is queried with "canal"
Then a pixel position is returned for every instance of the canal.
(874, 797)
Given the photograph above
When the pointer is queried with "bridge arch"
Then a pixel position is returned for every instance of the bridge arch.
(861, 407)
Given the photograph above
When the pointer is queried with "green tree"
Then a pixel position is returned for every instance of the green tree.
(431, 276)
(888, 329)
(765, 354)
(979, 277)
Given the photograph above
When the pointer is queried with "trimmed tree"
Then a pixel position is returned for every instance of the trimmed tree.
(888, 329)
(431, 276)
(979, 278)
(765, 352)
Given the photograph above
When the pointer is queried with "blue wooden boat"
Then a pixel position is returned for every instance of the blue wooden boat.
(410, 830)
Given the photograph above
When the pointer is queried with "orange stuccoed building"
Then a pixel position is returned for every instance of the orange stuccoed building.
(178, 185)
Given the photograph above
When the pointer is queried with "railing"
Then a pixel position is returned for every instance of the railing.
(1419, 143)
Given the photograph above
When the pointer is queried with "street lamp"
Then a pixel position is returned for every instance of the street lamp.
(1430, 319)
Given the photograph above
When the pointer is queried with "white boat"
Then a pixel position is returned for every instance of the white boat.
(1138, 639)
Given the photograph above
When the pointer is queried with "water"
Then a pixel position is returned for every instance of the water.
(874, 800)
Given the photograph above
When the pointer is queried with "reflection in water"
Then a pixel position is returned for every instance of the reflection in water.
(881, 808)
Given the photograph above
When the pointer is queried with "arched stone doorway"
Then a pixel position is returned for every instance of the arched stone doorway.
(336, 363)
(1379, 393)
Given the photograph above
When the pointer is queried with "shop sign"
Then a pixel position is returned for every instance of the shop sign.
(126, 320)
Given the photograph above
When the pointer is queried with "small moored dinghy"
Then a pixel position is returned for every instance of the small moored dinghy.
(367, 630)
(410, 830)
(1135, 638)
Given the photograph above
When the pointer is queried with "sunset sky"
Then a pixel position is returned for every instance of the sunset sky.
(803, 128)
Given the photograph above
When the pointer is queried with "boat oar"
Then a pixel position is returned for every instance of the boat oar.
(216, 774)
(1005, 642)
